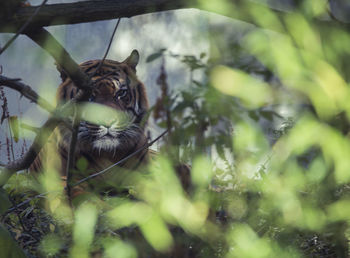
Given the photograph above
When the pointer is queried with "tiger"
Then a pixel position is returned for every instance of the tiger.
(101, 144)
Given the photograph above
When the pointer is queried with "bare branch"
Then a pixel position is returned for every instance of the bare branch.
(107, 50)
(29, 157)
(88, 11)
(26, 91)
(98, 10)
(24, 26)
(45, 40)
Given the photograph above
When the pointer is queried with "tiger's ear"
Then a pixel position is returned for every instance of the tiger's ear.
(63, 74)
(133, 59)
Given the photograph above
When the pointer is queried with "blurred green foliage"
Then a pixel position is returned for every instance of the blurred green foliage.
(265, 131)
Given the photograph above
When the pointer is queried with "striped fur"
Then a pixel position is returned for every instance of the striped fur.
(101, 145)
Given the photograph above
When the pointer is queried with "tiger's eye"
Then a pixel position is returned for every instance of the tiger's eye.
(122, 93)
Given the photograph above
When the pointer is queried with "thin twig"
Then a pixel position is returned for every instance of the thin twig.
(121, 161)
(107, 50)
(75, 123)
(29, 157)
(25, 25)
(12, 209)
(21, 221)
(71, 151)
(332, 16)
(104, 77)
(58, 116)
(26, 91)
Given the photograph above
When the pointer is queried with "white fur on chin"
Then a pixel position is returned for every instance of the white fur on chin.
(107, 144)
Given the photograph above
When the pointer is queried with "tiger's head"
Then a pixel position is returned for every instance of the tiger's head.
(117, 88)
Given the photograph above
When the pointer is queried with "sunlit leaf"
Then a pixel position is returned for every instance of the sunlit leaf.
(104, 115)
(156, 232)
(303, 34)
(252, 92)
(84, 229)
(316, 7)
(247, 244)
(14, 124)
(51, 244)
(117, 249)
(202, 171)
(339, 210)
(129, 213)
(314, 219)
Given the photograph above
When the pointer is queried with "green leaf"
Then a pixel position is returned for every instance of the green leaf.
(13, 121)
(202, 171)
(82, 164)
(51, 244)
(8, 246)
(153, 57)
(157, 233)
(5, 203)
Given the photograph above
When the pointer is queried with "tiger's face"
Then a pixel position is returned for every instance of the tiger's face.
(117, 105)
